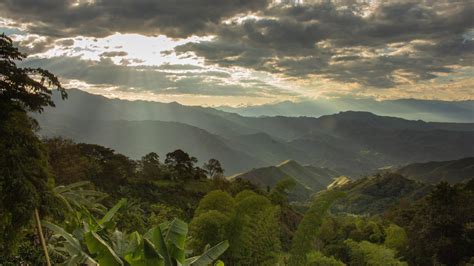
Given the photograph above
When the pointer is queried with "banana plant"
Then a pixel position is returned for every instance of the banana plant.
(163, 245)
(78, 195)
(71, 246)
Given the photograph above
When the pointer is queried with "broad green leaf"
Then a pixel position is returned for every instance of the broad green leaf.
(104, 252)
(110, 214)
(176, 233)
(72, 246)
(120, 243)
(152, 258)
(159, 242)
(210, 255)
(60, 231)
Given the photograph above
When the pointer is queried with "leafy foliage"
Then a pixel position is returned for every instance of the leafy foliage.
(303, 241)
(28, 87)
(370, 254)
(374, 194)
(439, 226)
(162, 245)
(249, 221)
(396, 238)
(24, 175)
(316, 258)
(150, 167)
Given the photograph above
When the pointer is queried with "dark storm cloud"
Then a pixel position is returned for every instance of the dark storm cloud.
(396, 41)
(158, 80)
(338, 42)
(99, 18)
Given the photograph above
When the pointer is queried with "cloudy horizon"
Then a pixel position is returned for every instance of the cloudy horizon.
(249, 52)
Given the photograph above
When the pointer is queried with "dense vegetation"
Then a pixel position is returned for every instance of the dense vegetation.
(78, 203)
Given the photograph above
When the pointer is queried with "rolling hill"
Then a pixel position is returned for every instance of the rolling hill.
(376, 194)
(453, 172)
(309, 179)
(136, 138)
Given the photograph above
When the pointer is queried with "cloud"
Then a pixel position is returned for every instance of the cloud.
(381, 45)
(165, 79)
(174, 18)
(347, 45)
(34, 44)
(65, 42)
(114, 54)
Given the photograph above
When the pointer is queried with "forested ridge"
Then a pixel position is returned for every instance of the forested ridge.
(64, 202)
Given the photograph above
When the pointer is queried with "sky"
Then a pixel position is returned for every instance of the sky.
(249, 52)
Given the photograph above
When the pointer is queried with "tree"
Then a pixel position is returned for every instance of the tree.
(213, 168)
(106, 166)
(150, 167)
(217, 200)
(264, 231)
(280, 192)
(66, 161)
(27, 87)
(181, 163)
(210, 228)
(370, 254)
(305, 236)
(396, 238)
(316, 258)
(438, 226)
(25, 180)
(249, 221)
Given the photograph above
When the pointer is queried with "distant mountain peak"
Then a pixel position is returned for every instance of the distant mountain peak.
(361, 115)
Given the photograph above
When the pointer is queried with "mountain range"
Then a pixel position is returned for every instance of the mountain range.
(351, 143)
(428, 110)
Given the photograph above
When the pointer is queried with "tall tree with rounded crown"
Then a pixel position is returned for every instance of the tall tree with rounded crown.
(25, 180)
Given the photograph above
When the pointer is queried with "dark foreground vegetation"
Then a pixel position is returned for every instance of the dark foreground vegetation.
(76, 203)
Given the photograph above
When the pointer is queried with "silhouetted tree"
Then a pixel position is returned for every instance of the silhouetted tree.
(150, 166)
(106, 166)
(27, 87)
(213, 168)
(24, 172)
(181, 164)
(199, 173)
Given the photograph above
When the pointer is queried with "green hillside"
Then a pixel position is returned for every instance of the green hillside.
(453, 172)
(376, 194)
(309, 179)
